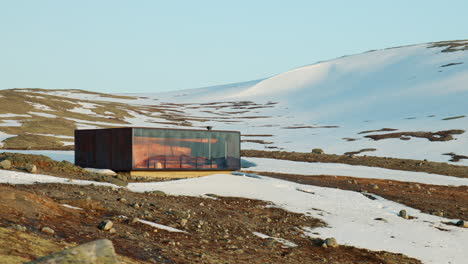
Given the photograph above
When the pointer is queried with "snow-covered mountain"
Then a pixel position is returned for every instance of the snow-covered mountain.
(412, 88)
(413, 92)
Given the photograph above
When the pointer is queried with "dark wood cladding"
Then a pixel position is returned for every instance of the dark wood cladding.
(85, 141)
(104, 148)
(122, 140)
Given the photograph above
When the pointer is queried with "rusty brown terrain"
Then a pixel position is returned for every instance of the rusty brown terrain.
(445, 135)
(455, 157)
(218, 230)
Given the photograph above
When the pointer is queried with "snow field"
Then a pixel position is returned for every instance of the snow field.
(4, 136)
(350, 215)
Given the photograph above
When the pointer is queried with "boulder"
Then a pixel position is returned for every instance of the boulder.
(19, 227)
(5, 164)
(462, 223)
(318, 151)
(98, 251)
(183, 222)
(106, 225)
(403, 214)
(438, 213)
(48, 230)
(31, 168)
(158, 193)
(330, 242)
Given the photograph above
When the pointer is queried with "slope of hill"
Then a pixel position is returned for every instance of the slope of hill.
(406, 102)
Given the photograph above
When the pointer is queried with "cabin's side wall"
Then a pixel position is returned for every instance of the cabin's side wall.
(85, 153)
(104, 148)
(121, 149)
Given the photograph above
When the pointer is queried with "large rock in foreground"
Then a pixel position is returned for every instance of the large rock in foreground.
(5, 164)
(96, 252)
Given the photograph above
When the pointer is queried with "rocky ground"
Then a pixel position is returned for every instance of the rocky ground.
(218, 230)
(36, 220)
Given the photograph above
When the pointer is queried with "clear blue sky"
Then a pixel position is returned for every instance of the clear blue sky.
(150, 46)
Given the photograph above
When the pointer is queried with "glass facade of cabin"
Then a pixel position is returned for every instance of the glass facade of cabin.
(185, 149)
(157, 149)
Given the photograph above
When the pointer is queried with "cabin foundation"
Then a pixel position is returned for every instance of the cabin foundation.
(175, 174)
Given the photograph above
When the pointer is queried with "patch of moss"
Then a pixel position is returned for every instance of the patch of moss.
(19, 247)
(26, 141)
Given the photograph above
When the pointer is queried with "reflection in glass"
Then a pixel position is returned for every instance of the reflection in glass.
(185, 149)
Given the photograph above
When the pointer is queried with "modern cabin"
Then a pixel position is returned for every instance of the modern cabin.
(159, 152)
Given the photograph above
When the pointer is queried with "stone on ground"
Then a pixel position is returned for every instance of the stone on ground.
(99, 251)
(31, 168)
(331, 242)
(403, 214)
(48, 230)
(106, 225)
(5, 164)
(462, 223)
(318, 151)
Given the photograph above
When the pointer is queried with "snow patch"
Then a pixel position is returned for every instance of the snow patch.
(41, 106)
(72, 207)
(286, 243)
(82, 111)
(43, 114)
(4, 136)
(101, 171)
(163, 227)
(14, 177)
(10, 123)
(13, 115)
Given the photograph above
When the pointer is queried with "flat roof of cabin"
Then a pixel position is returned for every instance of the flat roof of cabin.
(158, 128)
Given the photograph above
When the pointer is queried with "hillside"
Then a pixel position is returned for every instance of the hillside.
(406, 102)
